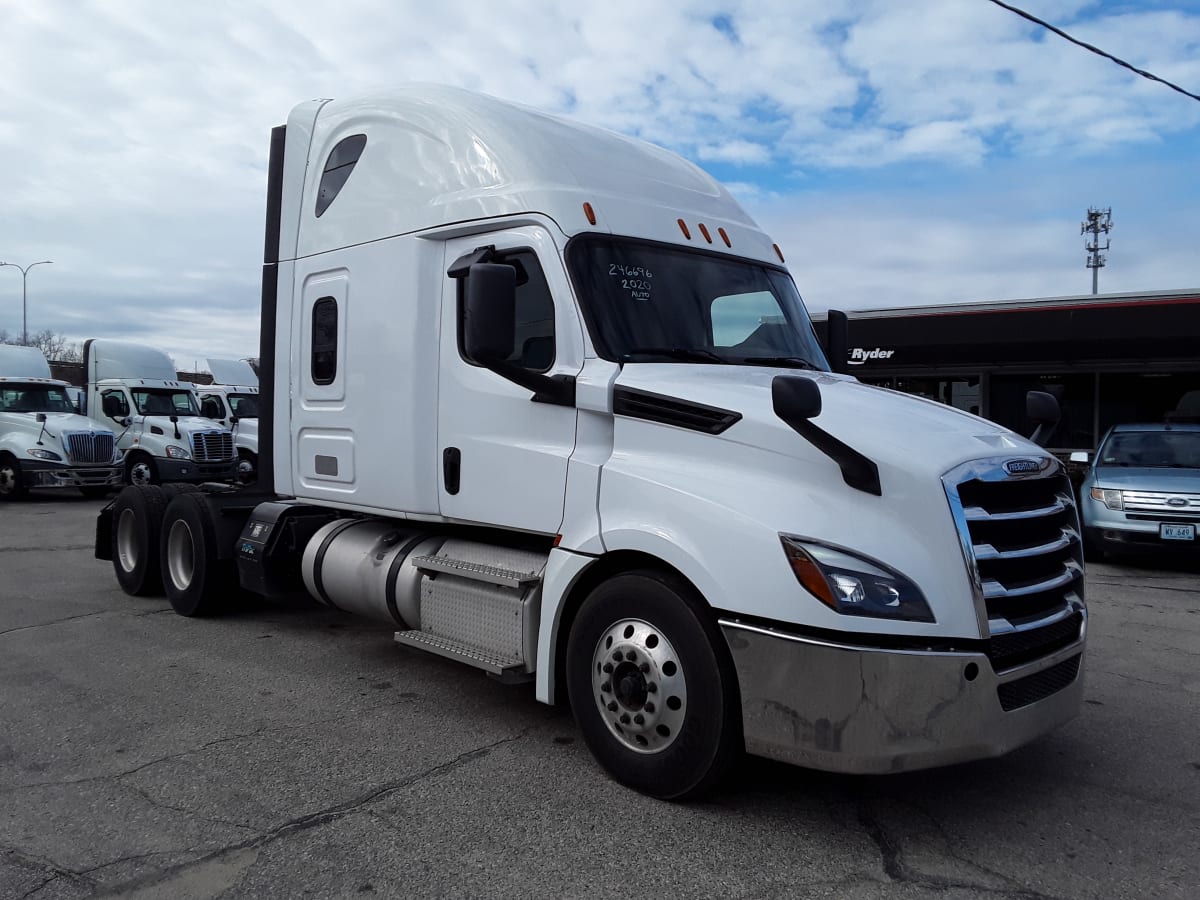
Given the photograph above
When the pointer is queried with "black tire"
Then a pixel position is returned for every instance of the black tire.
(12, 482)
(173, 489)
(707, 734)
(196, 581)
(135, 464)
(95, 491)
(136, 520)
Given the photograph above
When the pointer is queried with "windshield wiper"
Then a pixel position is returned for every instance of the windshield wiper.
(687, 354)
(795, 362)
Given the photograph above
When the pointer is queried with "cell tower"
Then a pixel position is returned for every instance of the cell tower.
(1099, 221)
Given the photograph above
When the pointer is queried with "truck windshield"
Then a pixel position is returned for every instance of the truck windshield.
(1153, 449)
(164, 402)
(649, 302)
(34, 398)
(244, 406)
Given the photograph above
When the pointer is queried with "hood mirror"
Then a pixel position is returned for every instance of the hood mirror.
(796, 398)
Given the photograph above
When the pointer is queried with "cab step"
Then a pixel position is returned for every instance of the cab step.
(505, 669)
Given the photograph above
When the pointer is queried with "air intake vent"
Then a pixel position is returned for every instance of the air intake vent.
(671, 411)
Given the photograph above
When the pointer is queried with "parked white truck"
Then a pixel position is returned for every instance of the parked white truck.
(134, 389)
(547, 400)
(232, 399)
(43, 441)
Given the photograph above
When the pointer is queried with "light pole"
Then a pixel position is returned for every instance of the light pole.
(24, 295)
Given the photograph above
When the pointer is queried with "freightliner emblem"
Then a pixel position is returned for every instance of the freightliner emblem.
(1022, 466)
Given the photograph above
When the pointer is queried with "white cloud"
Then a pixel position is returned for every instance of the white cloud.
(133, 132)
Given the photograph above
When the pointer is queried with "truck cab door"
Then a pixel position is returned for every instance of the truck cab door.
(502, 457)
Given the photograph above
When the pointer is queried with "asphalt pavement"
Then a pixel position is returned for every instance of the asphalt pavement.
(284, 752)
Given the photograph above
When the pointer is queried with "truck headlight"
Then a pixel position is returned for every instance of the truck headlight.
(853, 585)
(44, 454)
(175, 452)
(1111, 499)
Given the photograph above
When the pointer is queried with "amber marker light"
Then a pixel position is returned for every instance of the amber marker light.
(704, 231)
(590, 213)
(778, 252)
(683, 227)
(809, 574)
(724, 237)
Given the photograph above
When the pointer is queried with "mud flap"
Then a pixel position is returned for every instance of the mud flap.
(104, 532)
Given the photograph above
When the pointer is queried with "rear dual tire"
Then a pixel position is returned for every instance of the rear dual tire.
(197, 581)
(163, 539)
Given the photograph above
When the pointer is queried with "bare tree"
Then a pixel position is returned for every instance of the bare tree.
(54, 347)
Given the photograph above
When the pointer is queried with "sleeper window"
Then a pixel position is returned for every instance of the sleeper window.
(324, 340)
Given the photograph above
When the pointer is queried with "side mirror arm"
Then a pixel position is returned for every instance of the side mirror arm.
(558, 390)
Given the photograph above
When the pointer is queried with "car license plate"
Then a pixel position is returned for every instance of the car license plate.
(1177, 532)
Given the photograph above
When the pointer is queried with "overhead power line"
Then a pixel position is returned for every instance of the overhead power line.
(1086, 46)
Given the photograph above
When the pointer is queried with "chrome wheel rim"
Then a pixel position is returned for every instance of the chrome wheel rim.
(181, 554)
(139, 473)
(245, 469)
(639, 686)
(127, 549)
(8, 480)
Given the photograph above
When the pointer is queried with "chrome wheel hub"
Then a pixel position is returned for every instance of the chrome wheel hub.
(139, 473)
(639, 686)
(181, 554)
(8, 480)
(127, 549)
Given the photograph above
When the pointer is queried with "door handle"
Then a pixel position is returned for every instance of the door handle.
(451, 469)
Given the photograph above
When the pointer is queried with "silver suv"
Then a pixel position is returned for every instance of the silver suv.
(1143, 489)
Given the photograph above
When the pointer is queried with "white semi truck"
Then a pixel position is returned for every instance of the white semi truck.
(44, 443)
(232, 399)
(134, 389)
(546, 400)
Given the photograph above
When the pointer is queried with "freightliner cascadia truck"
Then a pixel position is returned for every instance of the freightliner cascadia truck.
(546, 400)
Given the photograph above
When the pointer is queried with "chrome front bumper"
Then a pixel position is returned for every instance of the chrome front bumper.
(844, 708)
(70, 476)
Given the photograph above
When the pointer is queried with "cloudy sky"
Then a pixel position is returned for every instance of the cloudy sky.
(900, 151)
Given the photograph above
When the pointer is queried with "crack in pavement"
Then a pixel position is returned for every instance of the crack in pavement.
(191, 813)
(41, 864)
(1163, 684)
(1149, 587)
(91, 615)
(312, 820)
(265, 729)
(892, 860)
(47, 549)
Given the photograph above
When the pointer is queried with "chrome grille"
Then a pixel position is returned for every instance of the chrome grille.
(212, 446)
(1161, 503)
(89, 446)
(1020, 537)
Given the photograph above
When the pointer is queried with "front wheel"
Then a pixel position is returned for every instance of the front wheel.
(652, 686)
(12, 483)
(247, 467)
(141, 470)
